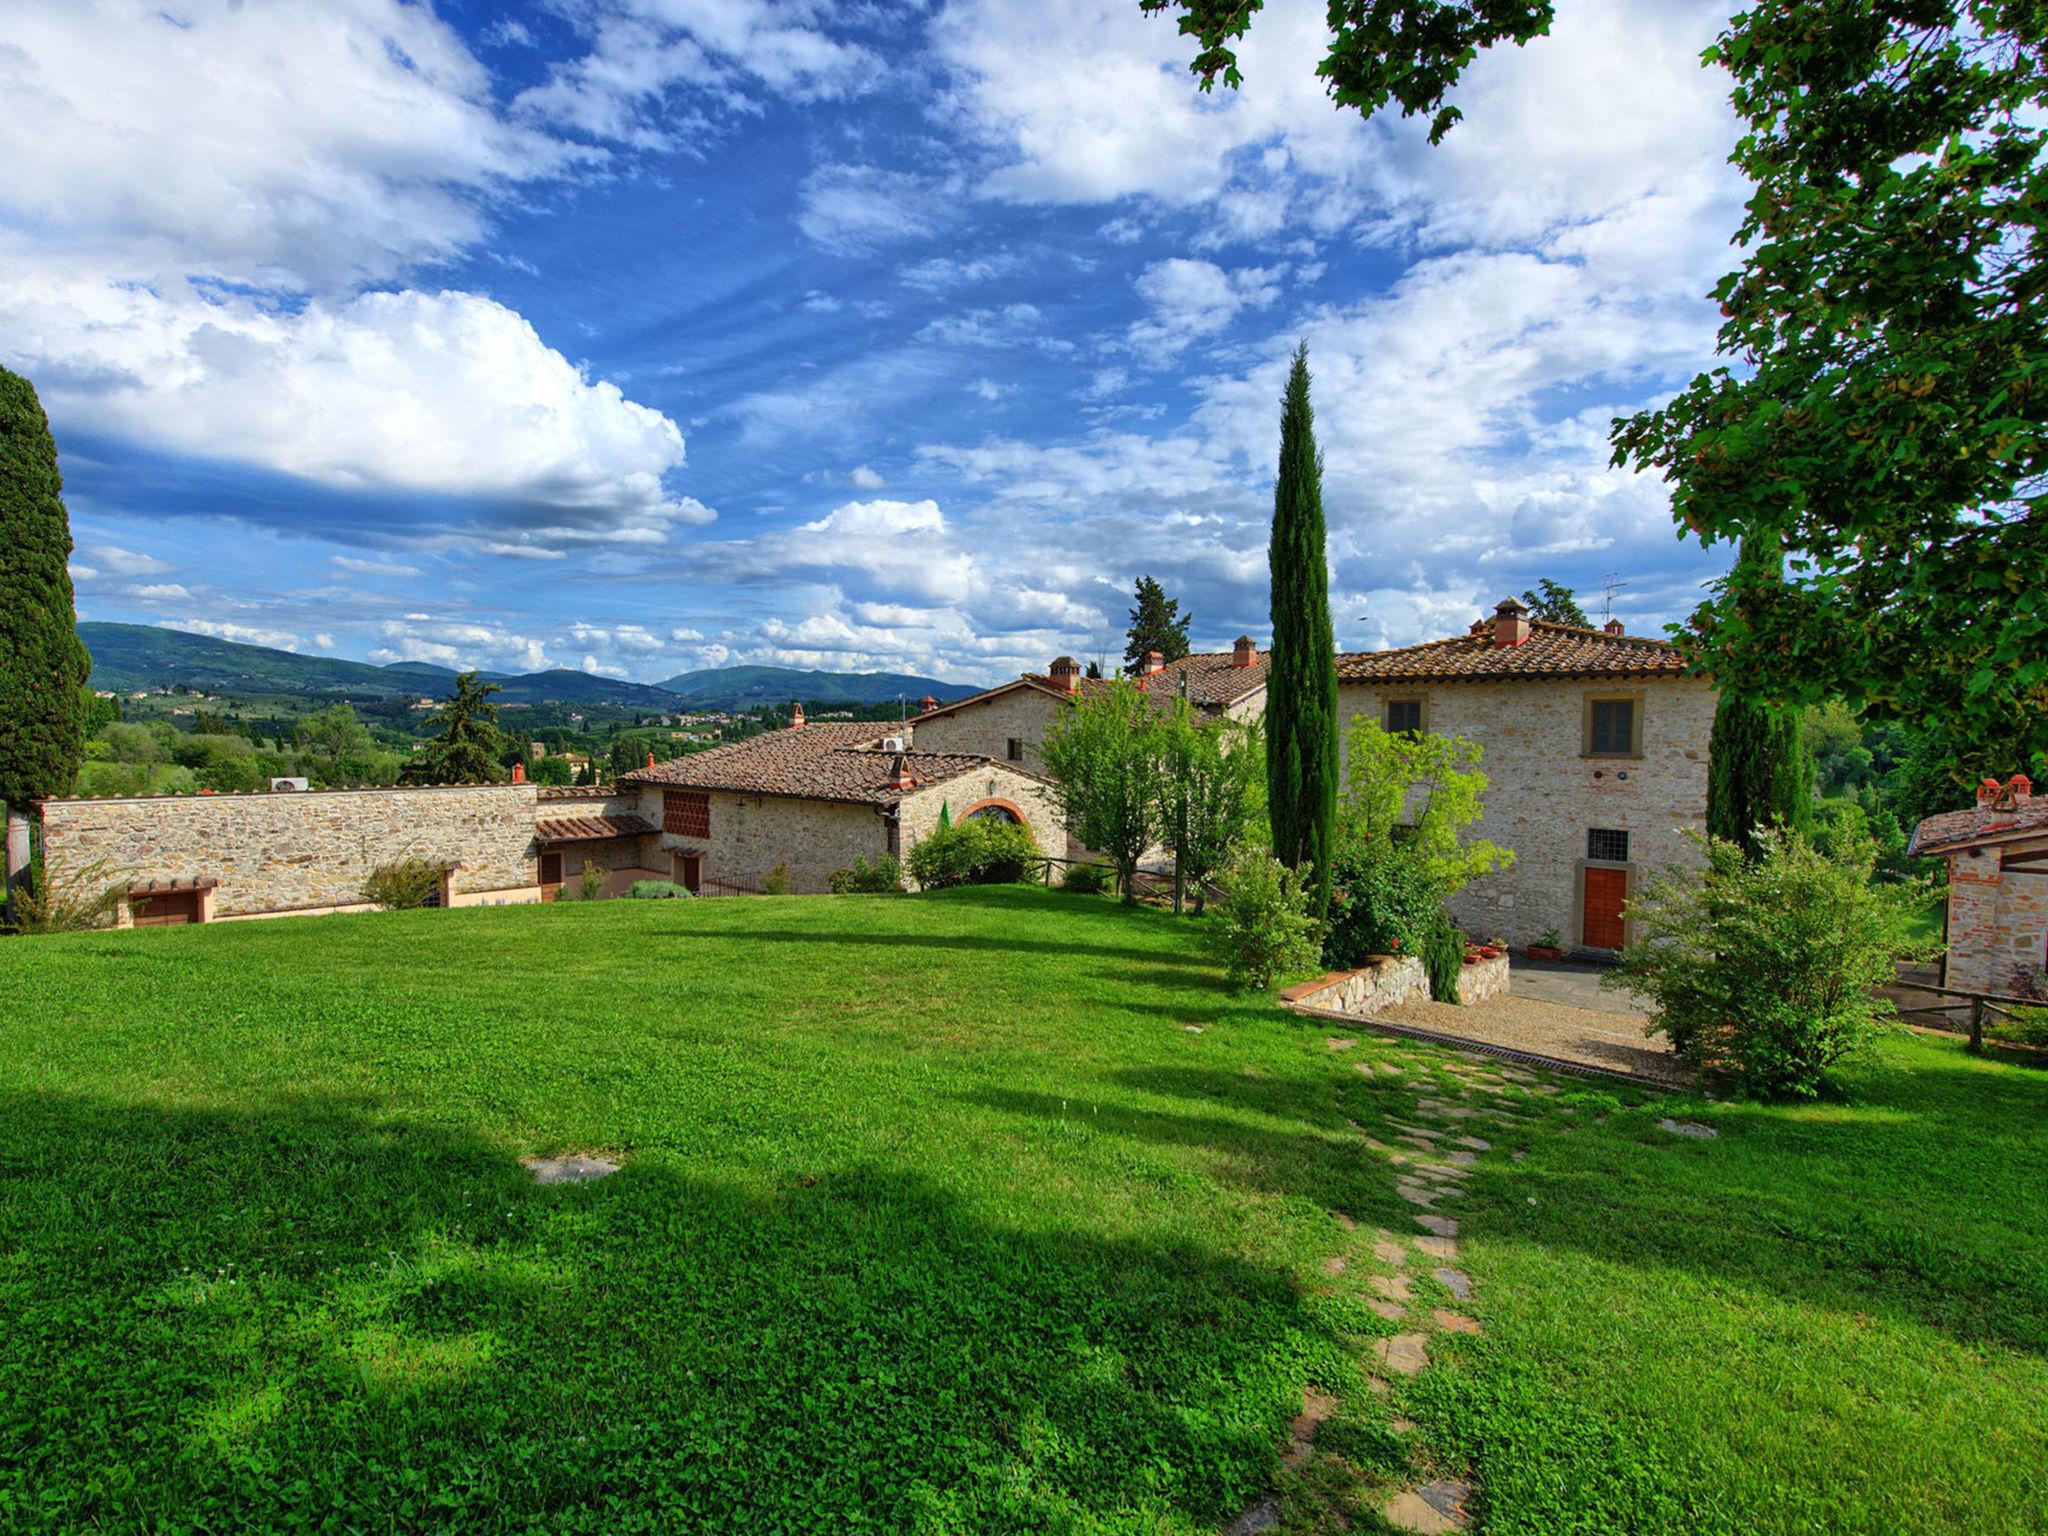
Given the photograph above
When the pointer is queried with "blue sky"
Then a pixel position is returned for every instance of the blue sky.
(644, 335)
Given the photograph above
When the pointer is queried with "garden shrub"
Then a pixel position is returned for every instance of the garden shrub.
(590, 883)
(978, 851)
(1766, 968)
(776, 881)
(406, 883)
(86, 900)
(869, 877)
(657, 890)
(1088, 879)
(1443, 957)
(1384, 899)
(1262, 927)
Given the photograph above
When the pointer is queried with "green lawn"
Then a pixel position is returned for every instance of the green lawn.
(937, 1217)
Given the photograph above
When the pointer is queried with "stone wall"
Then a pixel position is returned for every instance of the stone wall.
(290, 852)
(1482, 979)
(985, 729)
(1543, 795)
(1997, 923)
(1033, 799)
(751, 834)
(1382, 982)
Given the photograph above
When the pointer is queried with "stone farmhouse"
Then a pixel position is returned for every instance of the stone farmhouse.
(1010, 721)
(1997, 917)
(807, 798)
(1595, 752)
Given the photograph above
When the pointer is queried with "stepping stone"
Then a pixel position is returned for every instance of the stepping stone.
(1690, 1128)
(1445, 1248)
(1431, 1510)
(1459, 1112)
(1454, 1322)
(1402, 1426)
(1387, 1251)
(1301, 1435)
(1440, 1226)
(1393, 1312)
(1333, 1265)
(1193, 1029)
(1464, 1159)
(1390, 1067)
(570, 1168)
(1365, 1067)
(1519, 1155)
(1262, 1516)
(1456, 1281)
(1337, 1044)
(1475, 1143)
(1470, 1055)
(1348, 1223)
(1393, 1287)
(1406, 1353)
(1415, 1194)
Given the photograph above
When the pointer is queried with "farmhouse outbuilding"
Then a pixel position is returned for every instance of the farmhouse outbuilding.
(1997, 855)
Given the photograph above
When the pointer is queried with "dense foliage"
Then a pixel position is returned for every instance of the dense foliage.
(43, 664)
(1882, 416)
(881, 876)
(1157, 624)
(1555, 604)
(978, 851)
(1384, 900)
(406, 883)
(1208, 778)
(1100, 755)
(1088, 879)
(1765, 968)
(1263, 929)
(658, 890)
(1424, 791)
(469, 746)
(1301, 690)
(1759, 774)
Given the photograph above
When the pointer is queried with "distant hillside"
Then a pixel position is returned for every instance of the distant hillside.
(744, 687)
(130, 656)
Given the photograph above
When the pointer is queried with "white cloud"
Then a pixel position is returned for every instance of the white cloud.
(1189, 299)
(125, 562)
(866, 478)
(325, 142)
(853, 208)
(276, 639)
(449, 393)
(161, 592)
(461, 643)
(374, 567)
(79, 572)
(325, 642)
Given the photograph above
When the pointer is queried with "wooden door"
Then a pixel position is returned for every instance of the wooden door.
(688, 869)
(167, 910)
(1606, 894)
(550, 876)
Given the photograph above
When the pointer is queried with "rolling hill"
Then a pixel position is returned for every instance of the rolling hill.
(131, 656)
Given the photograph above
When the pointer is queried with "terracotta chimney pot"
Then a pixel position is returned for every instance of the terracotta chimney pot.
(1511, 623)
(650, 757)
(2021, 788)
(519, 773)
(1612, 627)
(927, 704)
(900, 772)
(1064, 672)
(796, 716)
(1244, 653)
(1155, 661)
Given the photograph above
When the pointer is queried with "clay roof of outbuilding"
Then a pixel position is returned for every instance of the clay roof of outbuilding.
(1551, 651)
(1953, 830)
(1213, 682)
(587, 829)
(837, 760)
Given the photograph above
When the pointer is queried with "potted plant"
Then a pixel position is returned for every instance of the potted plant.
(1550, 946)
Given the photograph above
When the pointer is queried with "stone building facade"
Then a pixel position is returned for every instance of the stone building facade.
(1997, 856)
(1586, 818)
(263, 854)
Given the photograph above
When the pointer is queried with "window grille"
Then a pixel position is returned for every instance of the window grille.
(1607, 843)
(686, 813)
(1404, 715)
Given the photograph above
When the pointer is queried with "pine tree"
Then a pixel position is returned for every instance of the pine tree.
(1759, 772)
(468, 748)
(1301, 688)
(1157, 624)
(43, 664)
(1555, 603)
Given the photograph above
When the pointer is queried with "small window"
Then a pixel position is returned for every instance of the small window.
(1611, 728)
(1609, 844)
(1016, 751)
(686, 812)
(1404, 716)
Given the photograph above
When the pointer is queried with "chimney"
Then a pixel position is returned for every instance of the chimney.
(1064, 672)
(1510, 623)
(1987, 792)
(1612, 627)
(650, 757)
(899, 772)
(519, 773)
(1244, 653)
(927, 704)
(1155, 661)
(796, 716)
(2010, 796)
(1480, 625)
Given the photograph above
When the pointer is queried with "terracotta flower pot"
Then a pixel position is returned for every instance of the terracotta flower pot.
(1543, 952)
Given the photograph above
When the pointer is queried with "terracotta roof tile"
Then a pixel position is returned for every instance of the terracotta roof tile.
(584, 829)
(173, 885)
(1552, 650)
(1977, 824)
(838, 760)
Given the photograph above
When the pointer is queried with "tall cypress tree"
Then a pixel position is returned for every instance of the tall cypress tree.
(1301, 686)
(1758, 770)
(43, 663)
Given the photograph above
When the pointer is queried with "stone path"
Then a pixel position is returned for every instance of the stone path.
(1420, 1286)
(570, 1168)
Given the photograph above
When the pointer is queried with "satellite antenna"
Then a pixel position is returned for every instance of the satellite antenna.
(1614, 585)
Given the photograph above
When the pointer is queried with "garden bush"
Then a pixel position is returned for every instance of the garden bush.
(1384, 899)
(776, 881)
(869, 877)
(1765, 969)
(1262, 928)
(406, 884)
(590, 883)
(1088, 879)
(977, 851)
(1443, 957)
(657, 890)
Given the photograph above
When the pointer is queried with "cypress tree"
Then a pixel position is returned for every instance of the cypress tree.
(1301, 686)
(1758, 770)
(43, 663)
(1157, 624)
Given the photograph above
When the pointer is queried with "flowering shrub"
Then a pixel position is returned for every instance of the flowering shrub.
(1261, 927)
(1384, 900)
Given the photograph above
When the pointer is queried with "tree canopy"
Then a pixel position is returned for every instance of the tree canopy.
(470, 743)
(1881, 415)
(1157, 624)
(1555, 604)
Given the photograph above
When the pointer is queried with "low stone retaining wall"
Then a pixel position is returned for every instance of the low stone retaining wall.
(1387, 980)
